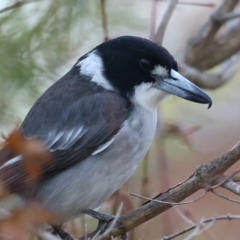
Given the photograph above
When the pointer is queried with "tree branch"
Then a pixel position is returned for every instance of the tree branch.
(236, 178)
(212, 25)
(153, 20)
(227, 16)
(198, 4)
(206, 50)
(165, 19)
(204, 176)
(209, 220)
(232, 187)
(216, 51)
(104, 20)
(171, 203)
(17, 5)
(202, 79)
(226, 198)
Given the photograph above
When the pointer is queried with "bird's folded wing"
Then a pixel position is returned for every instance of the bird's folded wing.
(80, 129)
(72, 126)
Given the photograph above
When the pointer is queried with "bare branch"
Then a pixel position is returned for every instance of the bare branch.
(236, 178)
(99, 237)
(209, 220)
(202, 79)
(227, 16)
(171, 203)
(205, 175)
(183, 216)
(210, 28)
(145, 178)
(17, 5)
(226, 198)
(202, 227)
(225, 179)
(211, 80)
(165, 19)
(205, 57)
(206, 49)
(198, 4)
(153, 20)
(104, 20)
(232, 187)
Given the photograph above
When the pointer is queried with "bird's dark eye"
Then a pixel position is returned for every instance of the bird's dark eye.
(145, 64)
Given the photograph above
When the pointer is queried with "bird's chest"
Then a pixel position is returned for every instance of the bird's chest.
(112, 167)
(130, 146)
(136, 136)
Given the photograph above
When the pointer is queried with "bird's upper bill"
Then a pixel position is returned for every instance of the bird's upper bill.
(140, 70)
(178, 85)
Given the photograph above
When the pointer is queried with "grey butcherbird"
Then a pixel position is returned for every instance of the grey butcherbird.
(98, 121)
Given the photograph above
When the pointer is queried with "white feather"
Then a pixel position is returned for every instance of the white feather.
(160, 71)
(92, 66)
(103, 147)
(11, 161)
(71, 137)
(147, 96)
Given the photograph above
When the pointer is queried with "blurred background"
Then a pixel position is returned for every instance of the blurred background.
(39, 42)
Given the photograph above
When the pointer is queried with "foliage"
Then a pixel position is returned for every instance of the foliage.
(36, 40)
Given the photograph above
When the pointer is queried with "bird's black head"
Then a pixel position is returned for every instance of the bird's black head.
(139, 69)
(129, 61)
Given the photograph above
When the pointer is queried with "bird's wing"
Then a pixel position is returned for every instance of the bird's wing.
(75, 123)
(73, 120)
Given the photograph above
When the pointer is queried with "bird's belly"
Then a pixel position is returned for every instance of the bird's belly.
(89, 183)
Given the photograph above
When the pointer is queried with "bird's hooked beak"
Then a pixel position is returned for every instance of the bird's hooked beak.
(181, 87)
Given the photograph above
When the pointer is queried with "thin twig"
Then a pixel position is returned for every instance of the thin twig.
(85, 233)
(236, 178)
(225, 17)
(201, 78)
(153, 20)
(225, 179)
(17, 5)
(45, 235)
(200, 229)
(99, 237)
(164, 181)
(96, 235)
(211, 26)
(145, 179)
(171, 203)
(232, 187)
(213, 219)
(226, 198)
(165, 20)
(183, 216)
(104, 20)
(210, 5)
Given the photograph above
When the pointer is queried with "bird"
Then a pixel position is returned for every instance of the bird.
(98, 122)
